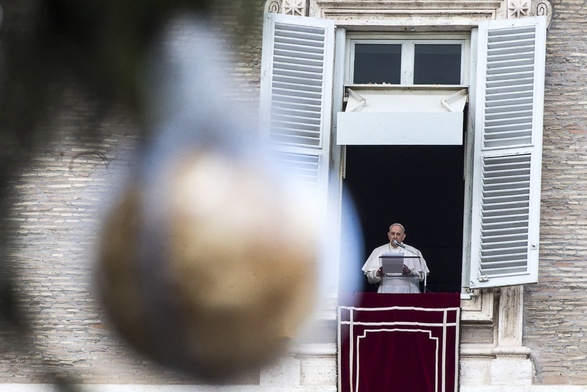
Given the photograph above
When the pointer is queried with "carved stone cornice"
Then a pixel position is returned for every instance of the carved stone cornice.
(288, 7)
(403, 13)
(439, 14)
(431, 7)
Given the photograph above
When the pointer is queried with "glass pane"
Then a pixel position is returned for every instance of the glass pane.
(377, 63)
(437, 64)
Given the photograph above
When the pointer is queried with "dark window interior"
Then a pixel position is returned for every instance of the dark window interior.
(377, 63)
(421, 187)
(437, 64)
(433, 64)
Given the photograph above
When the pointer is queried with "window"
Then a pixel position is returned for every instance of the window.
(502, 155)
(437, 64)
(401, 90)
(377, 63)
(407, 61)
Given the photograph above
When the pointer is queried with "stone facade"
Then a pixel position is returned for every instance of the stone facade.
(554, 321)
(56, 199)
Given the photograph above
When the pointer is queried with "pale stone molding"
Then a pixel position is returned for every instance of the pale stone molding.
(512, 364)
(287, 7)
(524, 8)
(168, 388)
(475, 362)
(401, 13)
(294, 7)
(442, 14)
(478, 307)
(506, 361)
(273, 6)
(518, 8)
(542, 7)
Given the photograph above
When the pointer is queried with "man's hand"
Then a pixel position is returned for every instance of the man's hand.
(406, 270)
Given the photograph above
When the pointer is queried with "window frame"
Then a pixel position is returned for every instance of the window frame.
(475, 122)
(408, 43)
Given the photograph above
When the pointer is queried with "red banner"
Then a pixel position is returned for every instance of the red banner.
(398, 342)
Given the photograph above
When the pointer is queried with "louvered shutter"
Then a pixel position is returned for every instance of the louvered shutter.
(508, 152)
(296, 94)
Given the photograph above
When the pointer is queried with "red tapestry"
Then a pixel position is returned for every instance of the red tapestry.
(398, 342)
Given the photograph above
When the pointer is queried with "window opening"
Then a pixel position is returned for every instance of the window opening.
(407, 62)
(437, 64)
(419, 186)
(377, 63)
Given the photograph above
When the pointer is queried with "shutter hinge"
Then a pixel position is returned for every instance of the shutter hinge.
(471, 293)
(482, 278)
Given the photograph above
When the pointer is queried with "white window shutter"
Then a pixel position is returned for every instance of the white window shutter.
(296, 94)
(508, 152)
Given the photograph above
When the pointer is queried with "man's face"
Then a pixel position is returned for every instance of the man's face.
(396, 233)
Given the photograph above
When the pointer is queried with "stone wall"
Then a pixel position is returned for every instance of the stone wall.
(555, 325)
(56, 199)
(57, 196)
(55, 208)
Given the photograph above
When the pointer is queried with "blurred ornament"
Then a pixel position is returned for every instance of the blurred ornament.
(208, 259)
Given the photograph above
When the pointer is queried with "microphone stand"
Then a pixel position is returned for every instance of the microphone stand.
(419, 261)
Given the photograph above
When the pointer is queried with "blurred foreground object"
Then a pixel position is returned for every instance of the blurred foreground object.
(208, 259)
(225, 279)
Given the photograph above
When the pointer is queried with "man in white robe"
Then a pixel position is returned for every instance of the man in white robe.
(415, 269)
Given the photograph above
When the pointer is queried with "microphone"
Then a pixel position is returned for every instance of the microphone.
(399, 244)
(419, 259)
(404, 247)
